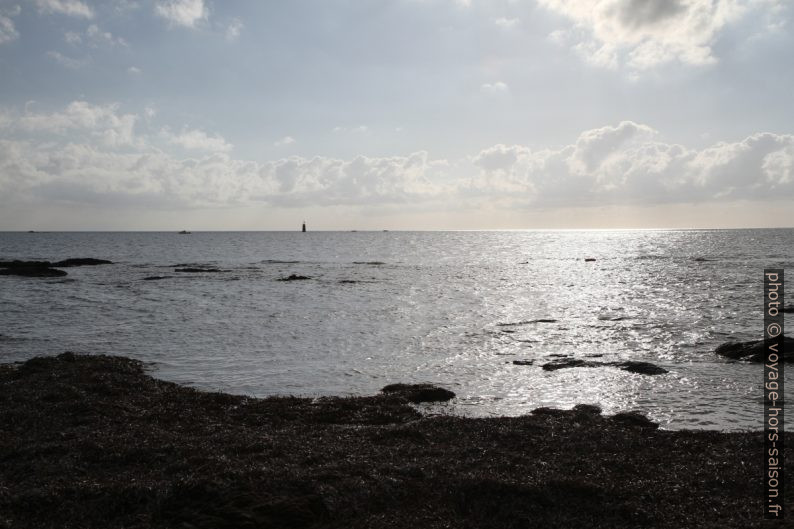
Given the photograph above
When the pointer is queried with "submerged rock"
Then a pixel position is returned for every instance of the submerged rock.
(788, 310)
(523, 362)
(293, 277)
(632, 366)
(197, 270)
(417, 393)
(592, 413)
(635, 419)
(29, 269)
(754, 351)
(81, 261)
(643, 368)
(526, 322)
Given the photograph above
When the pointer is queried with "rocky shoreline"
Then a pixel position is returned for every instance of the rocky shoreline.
(94, 441)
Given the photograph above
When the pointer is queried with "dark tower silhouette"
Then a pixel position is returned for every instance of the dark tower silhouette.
(304, 227)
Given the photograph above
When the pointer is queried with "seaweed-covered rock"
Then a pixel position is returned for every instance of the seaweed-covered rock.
(523, 362)
(642, 368)
(417, 393)
(96, 442)
(29, 269)
(634, 419)
(632, 366)
(754, 351)
(81, 261)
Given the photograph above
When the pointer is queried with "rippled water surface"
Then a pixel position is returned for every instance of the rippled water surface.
(454, 308)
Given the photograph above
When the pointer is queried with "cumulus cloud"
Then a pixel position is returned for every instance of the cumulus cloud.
(233, 29)
(94, 37)
(646, 33)
(626, 164)
(80, 120)
(198, 140)
(8, 30)
(74, 8)
(66, 61)
(361, 129)
(97, 153)
(497, 87)
(187, 13)
(286, 140)
(506, 23)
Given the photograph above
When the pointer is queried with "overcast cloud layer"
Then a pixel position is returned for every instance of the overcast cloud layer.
(320, 107)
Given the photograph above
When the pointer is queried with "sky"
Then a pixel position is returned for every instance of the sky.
(396, 114)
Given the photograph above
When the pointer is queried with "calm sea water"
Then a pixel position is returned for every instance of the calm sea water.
(385, 307)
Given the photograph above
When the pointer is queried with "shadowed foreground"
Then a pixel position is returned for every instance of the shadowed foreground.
(93, 441)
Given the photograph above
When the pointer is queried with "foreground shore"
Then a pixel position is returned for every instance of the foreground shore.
(93, 441)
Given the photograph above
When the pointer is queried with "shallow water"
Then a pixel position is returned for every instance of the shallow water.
(385, 307)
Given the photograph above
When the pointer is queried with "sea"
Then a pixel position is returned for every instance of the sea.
(453, 308)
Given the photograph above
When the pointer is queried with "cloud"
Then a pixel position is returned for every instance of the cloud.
(497, 87)
(506, 23)
(233, 29)
(187, 13)
(88, 153)
(286, 140)
(134, 70)
(67, 62)
(625, 164)
(198, 140)
(81, 120)
(74, 8)
(94, 37)
(360, 129)
(8, 30)
(646, 33)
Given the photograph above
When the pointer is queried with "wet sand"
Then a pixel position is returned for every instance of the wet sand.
(94, 441)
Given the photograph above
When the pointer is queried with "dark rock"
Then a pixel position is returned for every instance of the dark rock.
(417, 393)
(523, 362)
(293, 277)
(642, 368)
(788, 310)
(564, 364)
(374, 263)
(634, 419)
(587, 409)
(589, 259)
(754, 351)
(155, 278)
(526, 322)
(29, 269)
(81, 261)
(551, 412)
(348, 281)
(95, 442)
(25, 264)
(197, 270)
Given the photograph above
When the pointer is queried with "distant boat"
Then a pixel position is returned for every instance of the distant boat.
(184, 232)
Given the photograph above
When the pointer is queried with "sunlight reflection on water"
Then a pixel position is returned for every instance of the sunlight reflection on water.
(455, 308)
